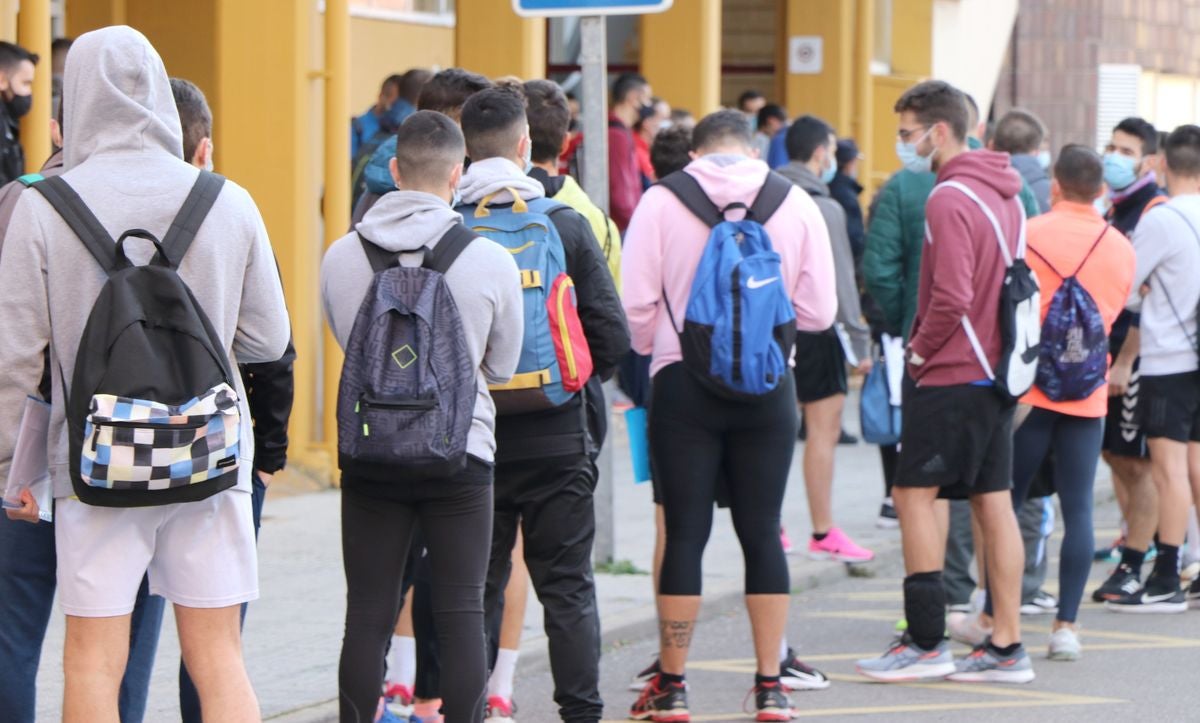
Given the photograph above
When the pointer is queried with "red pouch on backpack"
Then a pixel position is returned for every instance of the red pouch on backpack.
(570, 345)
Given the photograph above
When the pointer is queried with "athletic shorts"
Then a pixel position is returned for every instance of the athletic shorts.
(197, 554)
(820, 366)
(1123, 433)
(1170, 406)
(958, 438)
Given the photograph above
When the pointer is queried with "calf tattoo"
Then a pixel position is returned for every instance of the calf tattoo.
(676, 633)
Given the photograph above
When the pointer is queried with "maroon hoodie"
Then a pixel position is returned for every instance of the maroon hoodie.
(962, 269)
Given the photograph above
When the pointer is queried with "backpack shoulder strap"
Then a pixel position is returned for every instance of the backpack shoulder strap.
(1154, 203)
(30, 178)
(449, 248)
(774, 192)
(377, 257)
(991, 217)
(187, 222)
(1088, 255)
(687, 189)
(80, 218)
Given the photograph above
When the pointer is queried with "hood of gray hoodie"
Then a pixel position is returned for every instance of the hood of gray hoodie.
(798, 173)
(119, 80)
(407, 221)
(497, 177)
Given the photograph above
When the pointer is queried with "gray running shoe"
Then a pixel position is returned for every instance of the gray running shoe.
(1064, 645)
(984, 666)
(906, 662)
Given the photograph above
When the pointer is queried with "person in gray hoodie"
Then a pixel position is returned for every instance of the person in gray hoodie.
(124, 157)
(821, 383)
(455, 514)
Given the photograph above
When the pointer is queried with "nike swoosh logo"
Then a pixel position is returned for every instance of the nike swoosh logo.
(1148, 598)
(754, 283)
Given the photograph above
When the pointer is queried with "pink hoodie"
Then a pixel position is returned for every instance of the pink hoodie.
(661, 222)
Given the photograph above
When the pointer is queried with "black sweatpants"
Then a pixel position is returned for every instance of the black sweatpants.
(551, 500)
(456, 520)
(694, 435)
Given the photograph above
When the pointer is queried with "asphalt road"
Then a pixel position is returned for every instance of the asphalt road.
(1135, 667)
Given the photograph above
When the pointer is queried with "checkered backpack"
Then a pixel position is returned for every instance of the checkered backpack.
(152, 411)
(407, 393)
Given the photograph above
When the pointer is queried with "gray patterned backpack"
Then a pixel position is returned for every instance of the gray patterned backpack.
(407, 391)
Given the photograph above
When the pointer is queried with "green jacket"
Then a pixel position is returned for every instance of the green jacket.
(895, 235)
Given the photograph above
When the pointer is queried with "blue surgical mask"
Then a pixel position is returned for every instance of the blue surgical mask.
(828, 174)
(528, 158)
(1043, 159)
(1119, 171)
(913, 161)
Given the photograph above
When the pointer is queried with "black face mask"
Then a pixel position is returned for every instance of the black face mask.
(19, 105)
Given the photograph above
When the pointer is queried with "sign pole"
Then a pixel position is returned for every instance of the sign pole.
(594, 62)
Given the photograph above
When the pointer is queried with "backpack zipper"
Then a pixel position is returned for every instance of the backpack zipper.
(414, 404)
(564, 330)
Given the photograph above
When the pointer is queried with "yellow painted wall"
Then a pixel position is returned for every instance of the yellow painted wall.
(379, 48)
(829, 94)
(687, 74)
(491, 39)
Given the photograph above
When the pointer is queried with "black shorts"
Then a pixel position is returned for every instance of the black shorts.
(820, 366)
(958, 438)
(1123, 433)
(1170, 406)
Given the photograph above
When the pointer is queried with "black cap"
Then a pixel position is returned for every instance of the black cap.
(847, 150)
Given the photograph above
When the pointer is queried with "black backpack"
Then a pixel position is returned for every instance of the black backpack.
(152, 411)
(406, 398)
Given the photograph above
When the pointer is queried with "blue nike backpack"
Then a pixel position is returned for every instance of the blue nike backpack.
(1073, 359)
(555, 361)
(739, 327)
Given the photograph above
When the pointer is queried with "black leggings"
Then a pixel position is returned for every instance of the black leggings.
(694, 436)
(456, 520)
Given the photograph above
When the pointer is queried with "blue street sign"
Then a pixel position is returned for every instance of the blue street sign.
(559, 8)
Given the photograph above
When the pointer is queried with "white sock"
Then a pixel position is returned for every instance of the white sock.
(1192, 552)
(402, 661)
(783, 648)
(501, 681)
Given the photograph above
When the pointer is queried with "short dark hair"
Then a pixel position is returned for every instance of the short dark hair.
(1141, 128)
(412, 82)
(549, 118)
(720, 126)
(1079, 171)
(936, 101)
(748, 95)
(11, 55)
(428, 147)
(449, 89)
(625, 84)
(771, 111)
(972, 110)
(195, 117)
(61, 45)
(805, 136)
(1018, 132)
(493, 121)
(1183, 151)
(669, 151)
(395, 80)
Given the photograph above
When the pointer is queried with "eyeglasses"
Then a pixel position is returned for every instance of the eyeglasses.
(905, 134)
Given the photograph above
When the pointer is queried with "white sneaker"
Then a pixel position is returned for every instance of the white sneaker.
(967, 629)
(1064, 645)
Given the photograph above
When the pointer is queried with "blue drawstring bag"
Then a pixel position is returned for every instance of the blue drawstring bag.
(880, 419)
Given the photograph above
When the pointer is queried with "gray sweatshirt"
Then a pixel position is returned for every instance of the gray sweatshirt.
(484, 282)
(849, 313)
(1168, 256)
(124, 156)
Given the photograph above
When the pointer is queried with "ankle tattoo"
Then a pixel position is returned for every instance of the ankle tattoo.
(676, 633)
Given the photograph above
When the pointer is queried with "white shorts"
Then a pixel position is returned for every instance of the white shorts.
(197, 554)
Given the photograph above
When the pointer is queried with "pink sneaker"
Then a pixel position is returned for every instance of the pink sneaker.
(837, 546)
(499, 710)
(785, 540)
(399, 699)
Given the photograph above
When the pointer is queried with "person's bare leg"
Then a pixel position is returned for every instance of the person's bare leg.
(920, 532)
(942, 509)
(676, 623)
(404, 623)
(211, 642)
(516, 595)
(1193, 458)
(94, 657)
(660, 545)
(1120, 473)
(1005, 560)
(768, 620)
(1140, 509)
(1169, 464)
(981, 563)
(823, 419)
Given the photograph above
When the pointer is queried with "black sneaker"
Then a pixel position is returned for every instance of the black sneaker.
(795, 674)
(1155, 596)
(1193, 593)
(771, 702)
(662, 702)
(642, 679)
(1122, 581)
(847, 439)
(888, 519)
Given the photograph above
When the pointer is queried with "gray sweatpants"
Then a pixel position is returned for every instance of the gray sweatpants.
(1036, 521)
